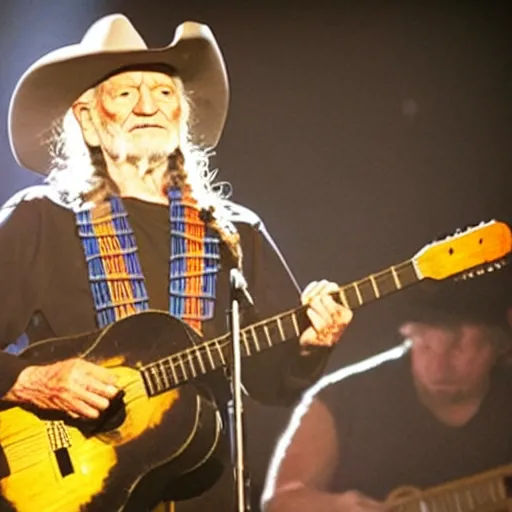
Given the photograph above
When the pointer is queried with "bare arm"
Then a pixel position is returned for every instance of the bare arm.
(304, 471)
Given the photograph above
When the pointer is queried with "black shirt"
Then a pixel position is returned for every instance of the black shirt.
(388, 439)
(45, 292)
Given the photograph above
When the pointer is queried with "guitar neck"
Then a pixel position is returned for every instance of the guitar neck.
(487, 491)
(208, 356)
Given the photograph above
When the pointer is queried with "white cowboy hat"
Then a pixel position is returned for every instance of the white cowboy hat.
(49, 87)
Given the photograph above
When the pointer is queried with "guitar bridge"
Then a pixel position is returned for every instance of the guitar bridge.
(59, 443)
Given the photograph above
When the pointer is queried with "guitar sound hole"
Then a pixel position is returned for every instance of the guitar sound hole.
(111, 419)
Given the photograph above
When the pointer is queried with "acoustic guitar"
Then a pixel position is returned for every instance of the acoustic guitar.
(164, 417)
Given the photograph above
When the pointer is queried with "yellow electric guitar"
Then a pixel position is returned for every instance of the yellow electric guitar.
(51, 463)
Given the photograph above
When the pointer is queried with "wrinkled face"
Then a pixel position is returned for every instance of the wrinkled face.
(134, 115)
(452, 363)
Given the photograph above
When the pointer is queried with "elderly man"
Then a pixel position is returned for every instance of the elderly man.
(433, 410)
(129, 220)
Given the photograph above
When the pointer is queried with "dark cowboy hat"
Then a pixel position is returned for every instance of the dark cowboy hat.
(483, 299)
(50, 86)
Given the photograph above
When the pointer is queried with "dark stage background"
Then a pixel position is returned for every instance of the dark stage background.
(360, 131)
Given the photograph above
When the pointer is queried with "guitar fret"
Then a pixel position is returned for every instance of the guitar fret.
(396, 279)
(489, 490)
(280, 327)
(343, 298)
(358, 294)
(385, 283)
(288, 327)
(210, 358)
(494, 490)
(497, 491)
(173, 370)
(295, 324)
(191, 364)
(481, 495)
(374, 286)
(199, 357)
(255, 336)
(249, 335)
(160, 378)
(407, 273)
(154, 374)
(267, 335)
(182, 366)
(352, 298)
(469, 499)
(244, 338)
(457, 502)
(219, 350)
(149, 382)
(165, 377)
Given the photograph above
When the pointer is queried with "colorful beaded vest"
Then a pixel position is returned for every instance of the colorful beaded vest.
(115, 274)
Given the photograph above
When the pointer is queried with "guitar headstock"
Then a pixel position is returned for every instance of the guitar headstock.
(475, 250)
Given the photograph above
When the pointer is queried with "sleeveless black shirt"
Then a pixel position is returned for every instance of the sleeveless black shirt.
(388, 439)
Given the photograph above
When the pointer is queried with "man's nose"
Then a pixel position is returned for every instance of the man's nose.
(440, 364)
(146, 106)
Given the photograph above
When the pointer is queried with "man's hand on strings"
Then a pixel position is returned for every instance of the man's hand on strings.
(328, 318)
(78, 387)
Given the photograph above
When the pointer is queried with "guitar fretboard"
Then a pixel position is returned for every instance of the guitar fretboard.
(208, 356)
(489, 491)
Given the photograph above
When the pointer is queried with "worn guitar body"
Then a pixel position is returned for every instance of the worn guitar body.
(55, 465)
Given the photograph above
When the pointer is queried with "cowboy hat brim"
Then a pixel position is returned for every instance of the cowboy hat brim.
(40, 100)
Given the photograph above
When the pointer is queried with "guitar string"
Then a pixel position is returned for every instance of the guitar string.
(206, 346)
(220, 343)
(491, 481)
(203, 351)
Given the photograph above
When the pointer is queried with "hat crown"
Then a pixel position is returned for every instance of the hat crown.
(114, 32)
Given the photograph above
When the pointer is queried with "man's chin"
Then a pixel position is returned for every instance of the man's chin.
(447, 393)
(150, 155)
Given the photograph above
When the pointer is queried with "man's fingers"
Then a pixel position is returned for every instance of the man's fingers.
(100, 388)
(83, 409)
(94, 400)
(316, 319)
(104, 375)
(76, 407)
(313, 289)
(328, 312)
(96, 379)
(318, 288)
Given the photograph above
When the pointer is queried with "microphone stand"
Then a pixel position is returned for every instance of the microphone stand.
(238, 289)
